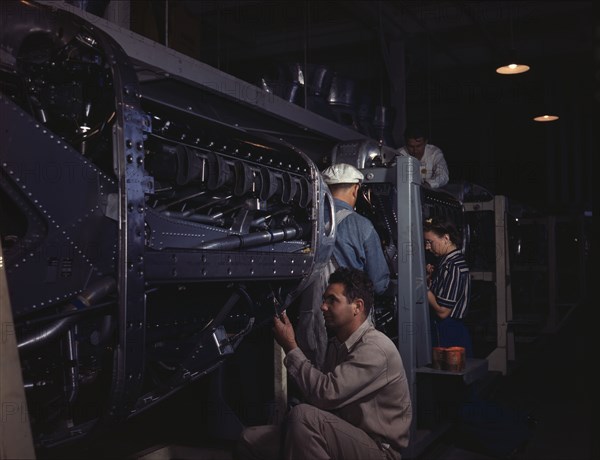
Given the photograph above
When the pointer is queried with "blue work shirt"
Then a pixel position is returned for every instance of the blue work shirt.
(357, 245)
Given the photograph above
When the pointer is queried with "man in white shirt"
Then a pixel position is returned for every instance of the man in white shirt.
(434, 170)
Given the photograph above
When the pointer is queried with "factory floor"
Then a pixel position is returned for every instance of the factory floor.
(550, 383)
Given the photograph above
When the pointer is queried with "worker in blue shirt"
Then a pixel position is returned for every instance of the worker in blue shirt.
(357, 245)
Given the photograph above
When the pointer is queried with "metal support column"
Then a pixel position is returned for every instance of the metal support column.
(553, 320)
(505, 341)
(16, 440)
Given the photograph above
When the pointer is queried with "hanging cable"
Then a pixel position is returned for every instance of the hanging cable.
(429, 89)
(380, 110)
(306, 33)
(167, 23)
(219, 36)
(383, 50)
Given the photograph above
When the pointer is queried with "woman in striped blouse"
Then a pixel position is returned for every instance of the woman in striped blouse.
(449, 286)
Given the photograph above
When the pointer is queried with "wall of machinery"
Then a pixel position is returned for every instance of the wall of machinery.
(145, 231)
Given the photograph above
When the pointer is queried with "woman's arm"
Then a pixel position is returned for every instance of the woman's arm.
(441, 312)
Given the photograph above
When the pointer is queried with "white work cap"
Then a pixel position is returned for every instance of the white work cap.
(342, 173)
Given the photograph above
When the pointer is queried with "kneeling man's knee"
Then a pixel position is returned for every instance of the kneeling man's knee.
(303, 412)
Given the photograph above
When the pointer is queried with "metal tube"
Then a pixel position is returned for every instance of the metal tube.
(95, 292)
(252, 239)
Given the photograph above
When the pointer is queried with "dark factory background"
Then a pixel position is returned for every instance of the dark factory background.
(375, 67)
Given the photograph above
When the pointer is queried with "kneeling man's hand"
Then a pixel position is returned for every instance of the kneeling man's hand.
(284, 332)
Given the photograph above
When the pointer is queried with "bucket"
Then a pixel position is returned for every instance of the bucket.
(438, 356)
(455, 359)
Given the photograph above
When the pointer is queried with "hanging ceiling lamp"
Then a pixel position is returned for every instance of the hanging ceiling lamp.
(547, 110)
(513, 65)
(513, 68)
(545, 118)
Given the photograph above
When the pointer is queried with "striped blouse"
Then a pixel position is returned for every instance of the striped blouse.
(451, 284)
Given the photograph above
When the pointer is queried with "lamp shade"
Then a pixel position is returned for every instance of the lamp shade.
(512, 69)
(545, 118)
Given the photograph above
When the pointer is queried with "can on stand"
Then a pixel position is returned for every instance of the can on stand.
(455, 359)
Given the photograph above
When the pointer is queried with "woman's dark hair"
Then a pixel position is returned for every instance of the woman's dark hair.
(442, 226)
(357, 285)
